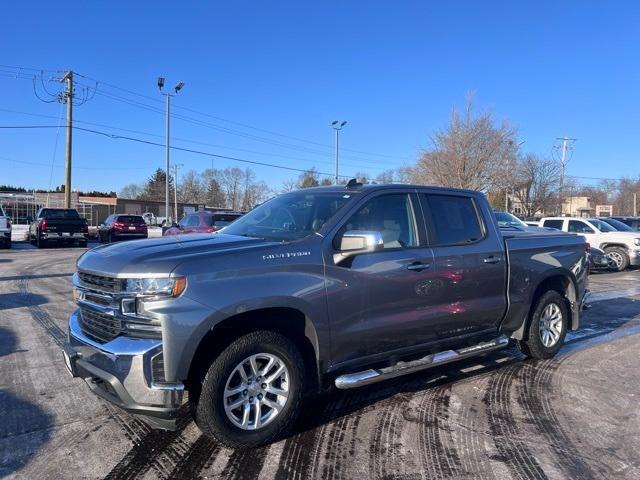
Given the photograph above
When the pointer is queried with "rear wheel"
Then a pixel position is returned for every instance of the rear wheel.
(40, 242)
(251, 393)
(618, 258)
(547, 327)
(109, 237)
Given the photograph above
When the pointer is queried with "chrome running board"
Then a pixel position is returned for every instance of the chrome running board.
(366, 377)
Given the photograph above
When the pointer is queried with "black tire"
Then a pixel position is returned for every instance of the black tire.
(533, 345)
(40, 242)
(8, 244)
(82, 243)
(209, 410)
(618, 258)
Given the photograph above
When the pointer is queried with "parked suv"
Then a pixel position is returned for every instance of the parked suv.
(122, 227)
(342, 286)
(5, 230)
(622, 248)
(203, 222)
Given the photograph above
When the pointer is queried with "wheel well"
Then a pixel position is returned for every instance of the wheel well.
(565, 287)
(289, 322)
(617, 245)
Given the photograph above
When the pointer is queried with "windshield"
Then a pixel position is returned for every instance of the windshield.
(505, 219)
(618, 225)
(290, 216)
(602, 226)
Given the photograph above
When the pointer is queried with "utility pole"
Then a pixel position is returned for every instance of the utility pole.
(337, 126)
(177, 88)
(68, 96)
(563, 163)
(635, 205)
(175, 184)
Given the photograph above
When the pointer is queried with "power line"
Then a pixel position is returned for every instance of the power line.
(196, 142)
(186, 118)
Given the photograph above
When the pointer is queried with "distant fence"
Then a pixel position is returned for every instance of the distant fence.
(23, 206)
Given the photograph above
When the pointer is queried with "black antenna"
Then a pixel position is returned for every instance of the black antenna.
(353, 183)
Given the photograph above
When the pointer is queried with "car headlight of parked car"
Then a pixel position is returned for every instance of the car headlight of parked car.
(636, 241)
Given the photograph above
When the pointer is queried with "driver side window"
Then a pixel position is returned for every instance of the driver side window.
(391, 215)
(576, 226)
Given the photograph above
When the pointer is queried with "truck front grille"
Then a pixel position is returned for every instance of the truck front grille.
(99, 326)
(100, 282)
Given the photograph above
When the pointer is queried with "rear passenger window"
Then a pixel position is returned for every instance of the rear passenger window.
(557, 224)
(454, 218)
(576, 226)
(193, 221)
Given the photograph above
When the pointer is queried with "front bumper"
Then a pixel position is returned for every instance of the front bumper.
(120, 371)
(634, 257)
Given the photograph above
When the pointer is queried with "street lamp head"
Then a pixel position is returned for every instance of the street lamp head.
(335, 122)
(343, 123)
(160, 82)
(179, 86)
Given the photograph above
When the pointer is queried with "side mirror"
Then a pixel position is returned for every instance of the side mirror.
(357, 242)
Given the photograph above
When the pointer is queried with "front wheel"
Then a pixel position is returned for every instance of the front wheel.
(251, 393)
(547, 327)
(618, 258)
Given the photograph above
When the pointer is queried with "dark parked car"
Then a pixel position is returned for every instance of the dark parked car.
(203, 222)
(598, 259)
(60, 226)
(632, 222)
(122, 227)
(343, 286)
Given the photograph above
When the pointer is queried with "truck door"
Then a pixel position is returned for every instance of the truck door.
(376, 301)
(469, 287)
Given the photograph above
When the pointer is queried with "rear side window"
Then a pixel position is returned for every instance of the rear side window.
(62, 213)
(557, 224)
(193, 221)
(454, 218)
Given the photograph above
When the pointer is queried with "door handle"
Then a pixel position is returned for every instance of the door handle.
(492, 259)
(418, 266)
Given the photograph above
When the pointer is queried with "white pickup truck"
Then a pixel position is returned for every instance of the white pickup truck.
(5, 230)
(622, 248)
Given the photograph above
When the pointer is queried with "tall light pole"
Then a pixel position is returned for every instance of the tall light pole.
(168, 95)
(567, 143)
(337, 126)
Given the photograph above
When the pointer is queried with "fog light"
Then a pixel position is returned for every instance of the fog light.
(157, 370)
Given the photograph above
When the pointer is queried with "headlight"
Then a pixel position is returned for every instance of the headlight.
(636, 241)
(165, 287)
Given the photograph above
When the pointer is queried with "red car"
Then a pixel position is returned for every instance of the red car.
(202, 222)
(120, 227)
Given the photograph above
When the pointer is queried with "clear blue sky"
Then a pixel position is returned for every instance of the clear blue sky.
(392, 69)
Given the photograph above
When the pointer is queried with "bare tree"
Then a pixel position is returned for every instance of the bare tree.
(310, 178)
(385, 177)
(536, 184)
(471, 152)
(131, 191)
(191, 189)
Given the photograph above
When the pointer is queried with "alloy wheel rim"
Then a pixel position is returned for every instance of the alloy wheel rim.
(551, 325)
(615, 259)
(256, 391)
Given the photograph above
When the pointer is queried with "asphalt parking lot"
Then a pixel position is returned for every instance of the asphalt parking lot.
(497, 416)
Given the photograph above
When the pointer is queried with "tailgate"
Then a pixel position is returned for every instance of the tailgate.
(66, 225)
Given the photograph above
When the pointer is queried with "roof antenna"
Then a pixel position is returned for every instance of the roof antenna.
(353, 183)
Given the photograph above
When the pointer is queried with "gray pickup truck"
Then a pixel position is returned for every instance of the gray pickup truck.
(332, 286)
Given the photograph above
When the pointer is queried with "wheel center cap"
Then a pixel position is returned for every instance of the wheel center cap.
(253, 389)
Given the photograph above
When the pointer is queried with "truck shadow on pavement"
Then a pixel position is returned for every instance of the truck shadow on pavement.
(25, 427)
(19, 299)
